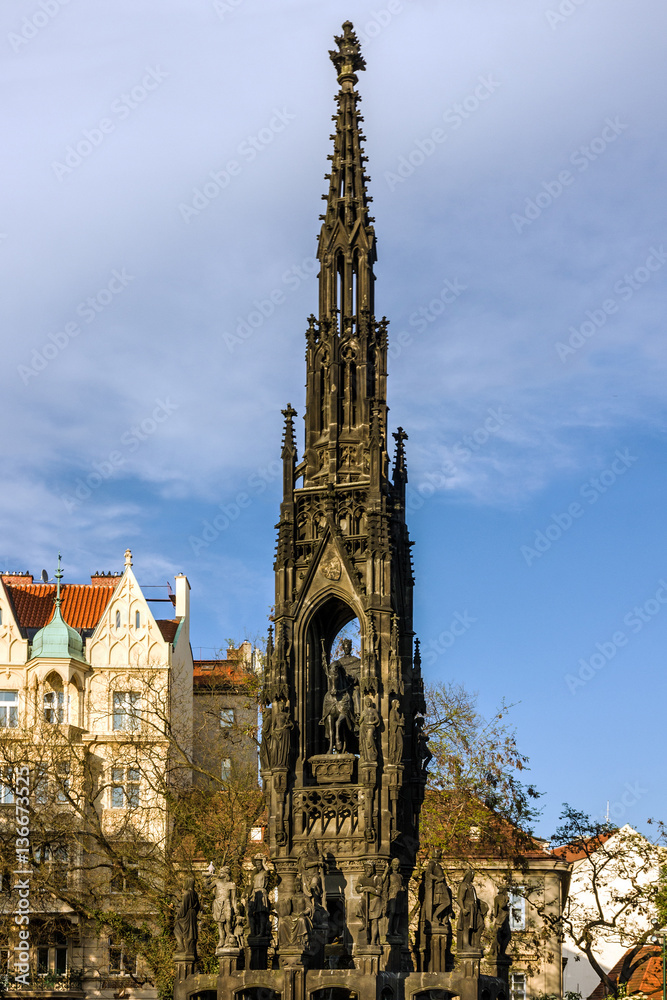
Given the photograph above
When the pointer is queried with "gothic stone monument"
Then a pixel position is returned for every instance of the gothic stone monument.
(343, 756)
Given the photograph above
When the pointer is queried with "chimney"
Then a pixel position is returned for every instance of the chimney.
(182, 596)
(17, 578)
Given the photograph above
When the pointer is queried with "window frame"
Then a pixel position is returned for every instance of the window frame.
(125, 788)
(227, 717)
(126, 711)
(517, 908)
(9, 709)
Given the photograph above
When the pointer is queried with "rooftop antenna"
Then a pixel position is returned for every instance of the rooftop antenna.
(45, 576)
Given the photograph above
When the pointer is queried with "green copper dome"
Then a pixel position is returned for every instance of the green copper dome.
(57, 639)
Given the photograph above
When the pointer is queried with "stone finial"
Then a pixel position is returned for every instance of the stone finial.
(349, 58)
(128, 558)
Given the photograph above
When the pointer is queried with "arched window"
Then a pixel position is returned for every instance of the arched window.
(55, 704)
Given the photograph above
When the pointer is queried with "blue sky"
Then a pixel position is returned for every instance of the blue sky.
(162, 188)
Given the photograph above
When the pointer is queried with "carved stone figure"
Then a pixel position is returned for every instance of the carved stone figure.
(396, 732)
(424, 755)
(470, 919)
(265, 745)
(369, 723)
(437, 892)
(258, 900)
(281, 735)
(185, 925)
(224, 908)
(350, 665)
(396, 899)
(371, 908)
(337, 707)
(500, 926)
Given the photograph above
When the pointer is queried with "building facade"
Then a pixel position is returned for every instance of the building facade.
(95, 697)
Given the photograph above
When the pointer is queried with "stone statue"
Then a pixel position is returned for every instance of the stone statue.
(424, 755)
(396, 899)
(501, 933)
(438, 892)
(350, 665)
(224, 908)
(396, 732)
(368, 724)
(265, 744)
(337, 707)
(470, 920)
(258, 900)
(281, 736)
(185, 925)
(371, 908)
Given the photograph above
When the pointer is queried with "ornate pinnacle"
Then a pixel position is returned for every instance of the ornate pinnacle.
(289, 443)
(59, 576)
(400, 468)
(349, 58)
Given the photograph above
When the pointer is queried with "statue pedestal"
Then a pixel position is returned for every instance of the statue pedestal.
(184, 966)
(468, 965)
(439, 952)
(396, 954)
(367, 959)
(228, 958)
(256, 952)
(332, 768)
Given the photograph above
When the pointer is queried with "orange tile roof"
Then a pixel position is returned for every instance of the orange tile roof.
(580, 848)
(83, 605)
(220, 673)
(640, 969)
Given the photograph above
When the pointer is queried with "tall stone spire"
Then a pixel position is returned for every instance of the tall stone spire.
(342, 760)
(347, 348)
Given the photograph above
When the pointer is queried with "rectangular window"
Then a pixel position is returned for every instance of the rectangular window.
(137, 620)
(125, 787)
(517, 909)
(120, 963)
(6, 787)
(227, 718)
(54, 706)
(225, 769)
(517, 986)
(9, 709)
(62, 781)
(125, 881)
(126, 711)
